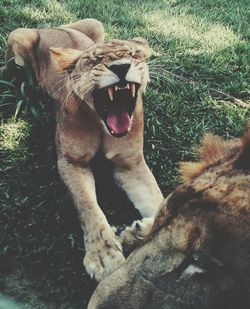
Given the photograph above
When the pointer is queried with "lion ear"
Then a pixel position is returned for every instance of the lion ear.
(143, 46)
(65, 58)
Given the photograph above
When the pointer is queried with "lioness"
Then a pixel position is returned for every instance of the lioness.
(97, 87)
(197, 254)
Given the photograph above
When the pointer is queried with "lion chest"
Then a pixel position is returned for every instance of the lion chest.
(78, 139)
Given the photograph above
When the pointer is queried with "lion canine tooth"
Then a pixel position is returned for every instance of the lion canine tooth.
(132, 89)
(110, 91)
(116, 88)
(127, 86)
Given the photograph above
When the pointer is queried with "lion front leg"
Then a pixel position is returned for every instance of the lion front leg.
(103, 250)
(138, 182)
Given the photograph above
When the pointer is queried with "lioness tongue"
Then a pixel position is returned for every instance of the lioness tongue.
(119, 123)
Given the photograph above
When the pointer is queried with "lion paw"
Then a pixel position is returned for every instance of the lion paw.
(103, 255)
(133, 234)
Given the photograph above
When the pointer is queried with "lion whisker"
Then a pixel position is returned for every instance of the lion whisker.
(80, 93)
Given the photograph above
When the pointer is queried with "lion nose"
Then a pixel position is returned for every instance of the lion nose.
(120, 70)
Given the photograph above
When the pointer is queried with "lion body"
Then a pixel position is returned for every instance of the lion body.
(197, 254)
(81, 132)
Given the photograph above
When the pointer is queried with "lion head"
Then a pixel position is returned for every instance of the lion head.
(109, 77)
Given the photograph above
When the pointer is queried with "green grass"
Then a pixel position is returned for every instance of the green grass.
(200, 77)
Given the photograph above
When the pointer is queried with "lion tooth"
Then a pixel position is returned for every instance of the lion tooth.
(112, 132)
(110, 91)
(132, 89)
(116, 88)
(127, 86)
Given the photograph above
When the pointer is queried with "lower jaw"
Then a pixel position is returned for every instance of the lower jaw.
(118, 135)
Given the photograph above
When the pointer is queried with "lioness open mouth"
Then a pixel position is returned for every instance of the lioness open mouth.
(115, 104)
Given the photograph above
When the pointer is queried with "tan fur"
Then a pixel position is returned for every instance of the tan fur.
(69, 63)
